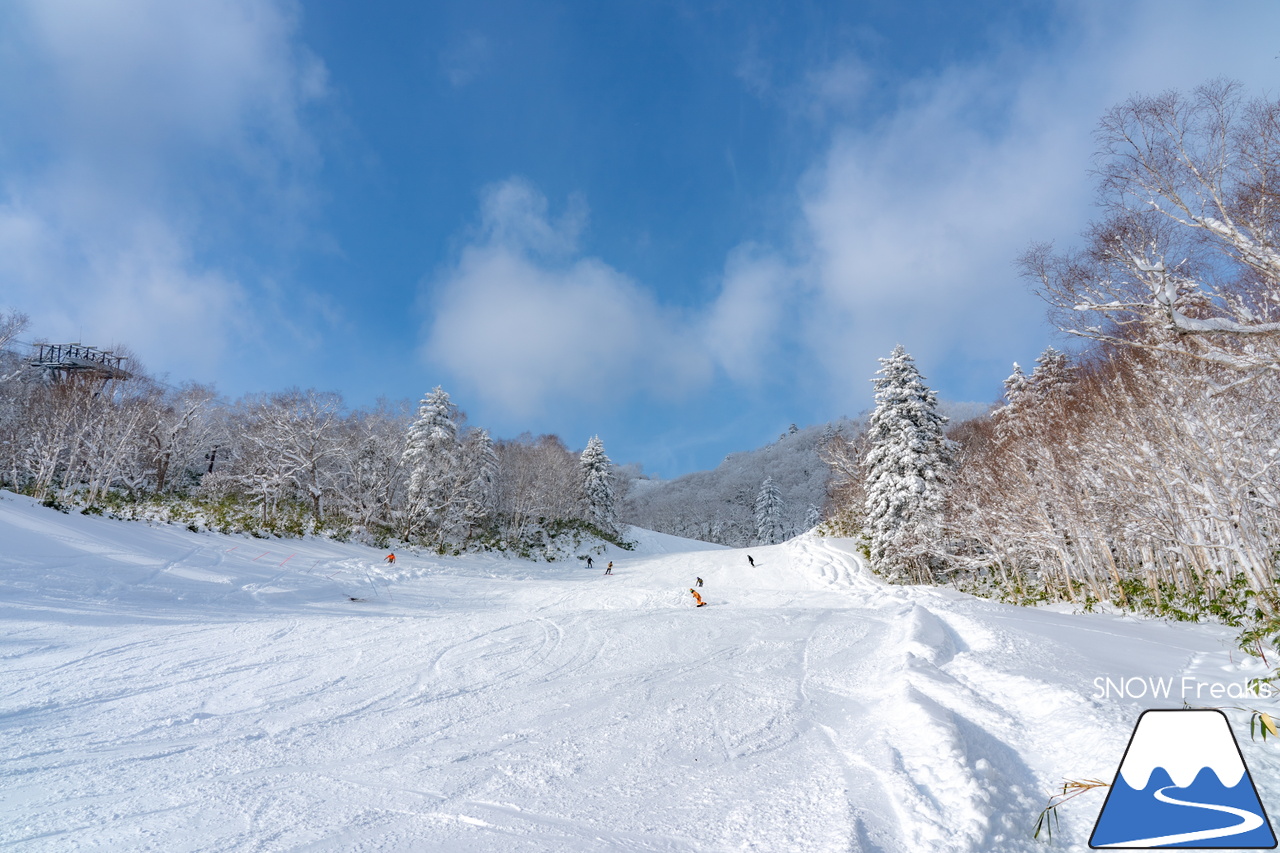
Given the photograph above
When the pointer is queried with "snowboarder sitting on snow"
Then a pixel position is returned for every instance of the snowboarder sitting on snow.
(390, 559)
(698, 598)
(751, 561)
(699, 582)
(609, 569)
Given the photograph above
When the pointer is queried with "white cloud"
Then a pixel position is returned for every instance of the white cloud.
(145, 293)
(915, 225)
(824, 92)
(144, 75)
(529, 329)
(912, 223)
(514, 214)
(144, 135)
(835, 89)
(466, 59)
(907, 230)
(746, 323)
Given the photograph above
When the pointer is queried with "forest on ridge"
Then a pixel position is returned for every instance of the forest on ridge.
(1141, 468)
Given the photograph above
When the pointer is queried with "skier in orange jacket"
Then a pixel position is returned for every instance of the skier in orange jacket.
(390, 559)
(698, 598)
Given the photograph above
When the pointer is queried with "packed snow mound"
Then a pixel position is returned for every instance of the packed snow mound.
(167, 690)
(650, 543)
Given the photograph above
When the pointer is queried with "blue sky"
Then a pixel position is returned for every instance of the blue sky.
(682, 226)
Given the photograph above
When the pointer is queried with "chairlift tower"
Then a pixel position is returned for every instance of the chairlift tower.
(65, 361)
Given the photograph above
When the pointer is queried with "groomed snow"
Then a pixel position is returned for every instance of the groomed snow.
(170, 691)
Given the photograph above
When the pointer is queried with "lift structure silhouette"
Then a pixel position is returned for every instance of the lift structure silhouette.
(67, 361)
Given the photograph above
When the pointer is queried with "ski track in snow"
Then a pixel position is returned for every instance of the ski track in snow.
(171, 691)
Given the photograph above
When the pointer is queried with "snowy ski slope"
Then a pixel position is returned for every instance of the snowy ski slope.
(169, 691)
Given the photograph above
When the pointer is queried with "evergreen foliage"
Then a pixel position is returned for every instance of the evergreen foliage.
(905, 471)
(433, 456)
(719, 505)
(480, 496)
(291, 463)
(769, 525)
(597, 486)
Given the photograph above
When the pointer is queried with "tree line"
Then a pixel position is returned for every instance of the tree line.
(1144, 469)
(292, 462)
(757, 497)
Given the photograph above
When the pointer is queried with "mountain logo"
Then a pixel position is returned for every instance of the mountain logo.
(1182, 783)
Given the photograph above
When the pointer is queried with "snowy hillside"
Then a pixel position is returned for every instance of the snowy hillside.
(171, 691)
(719, 505)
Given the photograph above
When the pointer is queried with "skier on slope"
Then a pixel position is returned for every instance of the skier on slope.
(751, 561)
(609, 568)
(390, 559)
(699, 583)
(698, 598)
(588, 561)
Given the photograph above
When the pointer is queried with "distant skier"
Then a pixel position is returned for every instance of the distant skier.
(698, 598)
(608, 570)
(699, 582)
(588, 562)
(751, 561)
(390, 559)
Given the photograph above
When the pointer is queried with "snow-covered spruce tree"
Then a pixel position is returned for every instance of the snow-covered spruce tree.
(480, 476)
(1053, 373)
(769, 525)
(597, 487)
(1007, 418)
(432, 455)
(1027, 396)
(906, 464)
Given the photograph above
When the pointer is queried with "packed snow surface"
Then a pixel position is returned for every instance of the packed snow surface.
(174, 691)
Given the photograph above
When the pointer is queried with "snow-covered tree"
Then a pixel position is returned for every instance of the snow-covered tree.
(1008, 416)
(179, 432)
(372, 478)
(1185, 260)
(597, 486)
(480, 477)
(1026, 396)
(260, 466)
(770, 529)
(1015, 384)
(1053, 374)
(719, 505)
(432, 455)
(539, 480)
(906, 464)
(12, 324)
(305, 433)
